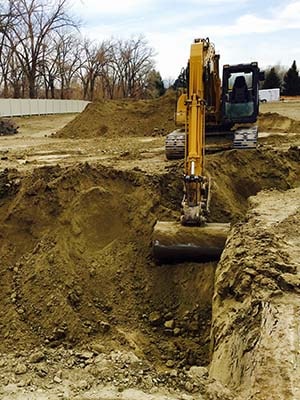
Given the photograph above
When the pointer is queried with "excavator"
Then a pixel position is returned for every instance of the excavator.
(203, 108)
(230, 110)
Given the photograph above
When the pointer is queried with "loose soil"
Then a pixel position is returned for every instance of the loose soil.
(85, 312)
(274, 122)
(123, 118)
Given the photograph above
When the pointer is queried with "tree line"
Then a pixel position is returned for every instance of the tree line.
(43, 54)
(287, 80)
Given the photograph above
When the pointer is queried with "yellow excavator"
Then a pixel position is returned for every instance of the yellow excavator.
(202, 108)
(230, 111)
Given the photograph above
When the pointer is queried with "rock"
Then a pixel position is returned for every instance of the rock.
(155, 318)
(197, 373)
(85, 355)
(170, 364)
(215, 390)
(83, 385)
(57, 379)
(20, 369)
(5, 381)
(189, 387)
(176, 331)
(129, 358)
(59, 374)
(168, 316)
(104, 326)
(188, 397)
(2, 363)
(42, 371)
(173, 373)
(36, 357)
(13, 297)
(147, 382)
(169, 324)
(58, 333)
(98, 348)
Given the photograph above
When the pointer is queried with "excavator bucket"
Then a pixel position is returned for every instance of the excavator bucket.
(174, 243)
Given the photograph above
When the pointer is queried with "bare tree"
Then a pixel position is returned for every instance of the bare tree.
(95, 58)
(68, 61)
(34, 21)
(5, 62)
(134, 61)
(110, 76)
(47, 67)
(41, 52)
(16, 76)
(6, 51)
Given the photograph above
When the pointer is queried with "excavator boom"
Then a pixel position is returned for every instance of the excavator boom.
(196, 185)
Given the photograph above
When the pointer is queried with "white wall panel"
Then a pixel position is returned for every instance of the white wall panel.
(20, 107)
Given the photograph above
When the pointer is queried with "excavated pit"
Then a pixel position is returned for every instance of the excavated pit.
(77, 264)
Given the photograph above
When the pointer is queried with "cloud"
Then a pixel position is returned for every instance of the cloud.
(241, 32)
(108, 7)
(215, 2)
(285, 18)
(291, 14)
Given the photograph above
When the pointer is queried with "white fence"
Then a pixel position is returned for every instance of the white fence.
(20, 107)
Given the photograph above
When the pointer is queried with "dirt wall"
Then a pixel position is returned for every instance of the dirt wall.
(256, 305)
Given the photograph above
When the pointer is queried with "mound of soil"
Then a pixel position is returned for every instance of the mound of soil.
(123, 118)
(274, 122)
(8, 127)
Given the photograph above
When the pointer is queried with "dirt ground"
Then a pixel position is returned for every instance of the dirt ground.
(85, 312)
(287, 108)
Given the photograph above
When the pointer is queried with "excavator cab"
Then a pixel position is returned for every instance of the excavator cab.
(240, 93)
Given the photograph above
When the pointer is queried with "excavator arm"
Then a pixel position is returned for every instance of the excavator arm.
(195, 203)
(193, 238)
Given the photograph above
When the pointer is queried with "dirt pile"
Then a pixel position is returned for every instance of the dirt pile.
(8, 127)
(274, 122)
(123, 118)
(237, 175)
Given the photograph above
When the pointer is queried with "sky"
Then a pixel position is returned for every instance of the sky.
(267, 31)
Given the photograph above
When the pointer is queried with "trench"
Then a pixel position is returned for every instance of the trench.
(76, 255)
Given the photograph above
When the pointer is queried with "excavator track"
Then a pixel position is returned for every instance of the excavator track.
(175, 145)
(245, 138)
(215, 141)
